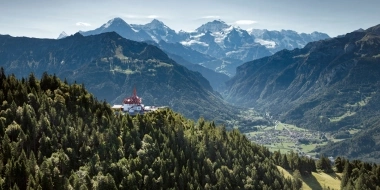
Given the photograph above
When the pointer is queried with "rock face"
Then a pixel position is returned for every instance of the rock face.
(111, 66)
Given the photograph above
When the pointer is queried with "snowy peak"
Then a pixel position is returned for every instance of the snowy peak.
(154, 24)
(158, 31)
(214, 26)
(119, 26)
(62, 35)
(115, 22)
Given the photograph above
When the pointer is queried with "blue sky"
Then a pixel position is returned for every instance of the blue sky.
(48, 18)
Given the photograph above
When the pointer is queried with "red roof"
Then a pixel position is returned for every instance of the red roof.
(134, 99)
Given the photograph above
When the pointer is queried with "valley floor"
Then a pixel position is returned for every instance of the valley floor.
(283, 137)
(286, 138)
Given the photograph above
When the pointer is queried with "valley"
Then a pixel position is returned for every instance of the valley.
(262, 129)
(286, 138)
(233, 95)
(110, 66)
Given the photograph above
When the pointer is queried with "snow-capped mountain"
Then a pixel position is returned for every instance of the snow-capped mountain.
(119, 26)
(229, 46)
(158, 31)
(62, 35)
(214, 26)
(284, 39)
(225, 42)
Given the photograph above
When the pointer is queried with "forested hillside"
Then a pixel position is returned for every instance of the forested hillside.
(56, 135)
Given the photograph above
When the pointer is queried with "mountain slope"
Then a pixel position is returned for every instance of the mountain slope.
(189, 58)
(111, 66)
(328, 85)
(216, 79)
(313, 85)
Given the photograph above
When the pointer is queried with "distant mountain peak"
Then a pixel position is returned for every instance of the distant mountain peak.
(78, 35)
(62, 35)
(213, 26)
(155, 24)
(115, 21)
(155, 21)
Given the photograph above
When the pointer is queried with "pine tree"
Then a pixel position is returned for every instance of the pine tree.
(346, 175)
(338, 165)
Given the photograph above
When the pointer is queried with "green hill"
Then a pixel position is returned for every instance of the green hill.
(56, 135)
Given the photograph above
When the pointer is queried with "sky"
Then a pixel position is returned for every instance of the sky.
(48, 18)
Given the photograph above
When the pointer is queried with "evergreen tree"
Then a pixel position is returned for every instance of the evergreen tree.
(339, 165)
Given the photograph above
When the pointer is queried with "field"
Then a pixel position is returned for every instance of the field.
(318, 180)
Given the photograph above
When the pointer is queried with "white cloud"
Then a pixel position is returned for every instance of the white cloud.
(152, 16)
(131, 16)
(83, 24)
(141, 16)
(211, 17)
(245, 22)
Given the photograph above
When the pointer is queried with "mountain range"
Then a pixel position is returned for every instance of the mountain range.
(326, 85)
(227, 46)
(111, 66)
(329, 85)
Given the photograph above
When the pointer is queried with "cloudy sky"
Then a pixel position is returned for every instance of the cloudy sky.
(48, 18)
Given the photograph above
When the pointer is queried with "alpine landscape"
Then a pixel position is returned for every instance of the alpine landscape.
(237, 95)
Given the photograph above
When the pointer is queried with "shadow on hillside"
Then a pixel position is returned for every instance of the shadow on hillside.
(333, 175)
(312, 182)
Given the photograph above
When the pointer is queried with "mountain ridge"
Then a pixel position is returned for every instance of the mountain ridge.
(110, 66)
(219, 40)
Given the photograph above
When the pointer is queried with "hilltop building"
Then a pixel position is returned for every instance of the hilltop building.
(133, 105)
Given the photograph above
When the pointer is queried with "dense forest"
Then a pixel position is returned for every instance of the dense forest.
(357, 174)
(56, 135)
